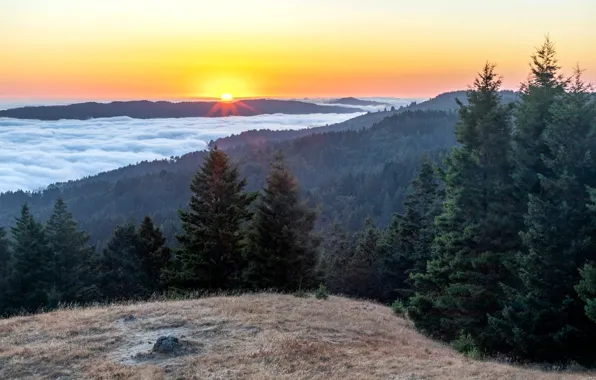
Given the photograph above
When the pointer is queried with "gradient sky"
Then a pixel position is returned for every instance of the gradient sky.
(125, 49)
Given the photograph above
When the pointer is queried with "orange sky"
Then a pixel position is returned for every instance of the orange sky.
(126, 49)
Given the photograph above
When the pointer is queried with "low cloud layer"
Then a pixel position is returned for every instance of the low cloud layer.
(34, 154)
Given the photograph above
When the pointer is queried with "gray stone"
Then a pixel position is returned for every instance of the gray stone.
(166, 344)
(129, 318)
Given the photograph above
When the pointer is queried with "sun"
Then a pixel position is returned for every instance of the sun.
(227, 98)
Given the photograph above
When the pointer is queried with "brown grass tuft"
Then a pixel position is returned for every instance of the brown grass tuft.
(264, 336)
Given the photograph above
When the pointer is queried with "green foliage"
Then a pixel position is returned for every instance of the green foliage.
(210, 250)
(29, 283)
(398, 307)
(282, 249)
(586, 289)
(5, 261)
(322, 293)
(465, 344)
(155, 256)
(72, 257)
(474, 234)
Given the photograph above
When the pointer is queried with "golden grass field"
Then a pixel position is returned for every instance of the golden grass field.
(264, 336)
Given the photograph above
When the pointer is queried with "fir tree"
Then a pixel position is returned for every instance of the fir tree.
(586, 289)
(72, 256)
(282, 249)
(363, 270)
(30, 281)
(337, 249)
(545, 319)
(210, 250)
(5, 262)
(475, 236)
(155, 256)
(121, 275)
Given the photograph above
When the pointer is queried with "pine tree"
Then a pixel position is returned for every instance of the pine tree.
(474, 234)
(363, 270)
(282, 249)
(337, 249)
(210, 246)
(544, 85)
(5, 262)
(586, 289)
(545, 319)
(120, 272)
(30, 281)
(155, 256)
(72, 256)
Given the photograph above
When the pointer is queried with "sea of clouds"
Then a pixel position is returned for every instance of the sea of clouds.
(34, 153)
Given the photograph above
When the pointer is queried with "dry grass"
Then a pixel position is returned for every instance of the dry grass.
(262, 336)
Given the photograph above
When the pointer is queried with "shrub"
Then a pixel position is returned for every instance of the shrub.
(466, 345)
(322, 293)
(398, 307)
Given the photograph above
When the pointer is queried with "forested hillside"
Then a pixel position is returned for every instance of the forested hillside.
(350, 174)
(491, 251)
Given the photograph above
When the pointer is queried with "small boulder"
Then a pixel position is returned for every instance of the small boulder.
(129, 318)
(166, 344)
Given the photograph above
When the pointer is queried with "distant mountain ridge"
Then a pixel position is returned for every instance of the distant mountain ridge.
(357, 102)
(145, 109)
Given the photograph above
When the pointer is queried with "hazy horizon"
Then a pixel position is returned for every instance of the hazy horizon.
(254, 48)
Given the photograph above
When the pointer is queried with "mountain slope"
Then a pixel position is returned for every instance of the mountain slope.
(349, 173)
(264, 336)
(146, 109)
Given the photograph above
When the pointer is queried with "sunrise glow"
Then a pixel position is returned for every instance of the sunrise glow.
(132, 49)
(227, 98)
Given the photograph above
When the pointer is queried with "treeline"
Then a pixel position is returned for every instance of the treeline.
(495, 252)
(230, 239)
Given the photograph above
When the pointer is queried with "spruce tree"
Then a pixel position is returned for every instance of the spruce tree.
(210, 250)
(337, 249)
(121, 275)
(533, 112)
(475, 236)
(282, 248)
(363, 276)
(155, 256)
(72, 256)
(586, 289)
(30, 281)
(5, 262)
(545, 319)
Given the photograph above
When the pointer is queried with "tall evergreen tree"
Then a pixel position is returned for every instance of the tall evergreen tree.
(337, 249)
(363, 275)
(120, 272)
(30, 281)
(72, 256)
(533, 113)
(282, 249)
(155, 256)
(545, 319)
(210, 246)
(5, 262)
(586, 289)
(475, 236)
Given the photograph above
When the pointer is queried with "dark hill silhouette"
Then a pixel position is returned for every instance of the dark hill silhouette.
(357, 102)
(145, 109)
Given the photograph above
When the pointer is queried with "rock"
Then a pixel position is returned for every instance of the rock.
(129, 318)
(166, 344)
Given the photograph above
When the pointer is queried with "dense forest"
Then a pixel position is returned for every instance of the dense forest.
(479, 225)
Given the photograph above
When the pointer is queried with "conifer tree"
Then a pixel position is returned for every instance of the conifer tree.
(30, 281)
(475, 236)
(544, 85)
(586, 289)
(210, 246)
(155, 256)
(282, 248)
(72, 256)
(545, 319)
(363, 270)
(121, 275)
(337, 249)
(5, 262)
